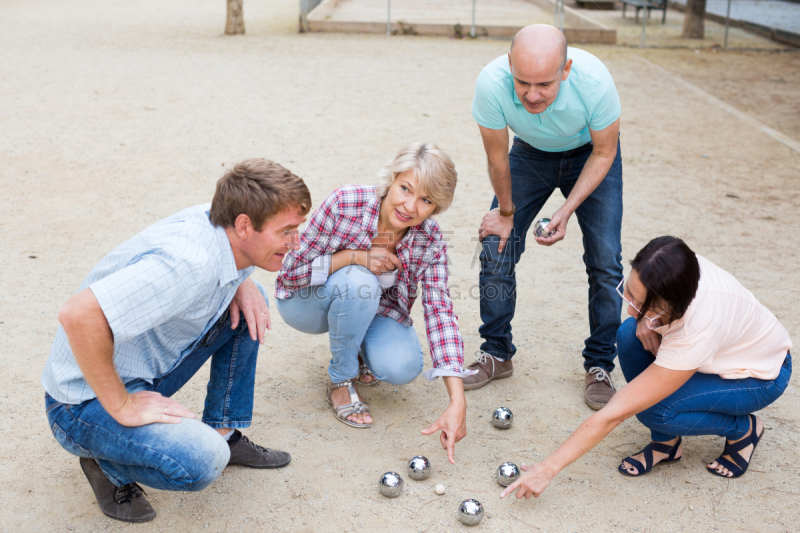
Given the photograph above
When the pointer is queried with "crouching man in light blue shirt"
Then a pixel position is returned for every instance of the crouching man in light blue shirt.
(143, 323)
(564, 109)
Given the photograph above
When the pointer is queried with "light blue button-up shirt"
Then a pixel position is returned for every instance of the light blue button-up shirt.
(586, 100)
(160, 291)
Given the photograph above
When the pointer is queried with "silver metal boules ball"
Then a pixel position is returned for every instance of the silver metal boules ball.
(419, 468)
(470, 512)
(391, 484)
(540, 229)
(502, 418)
(507, 473)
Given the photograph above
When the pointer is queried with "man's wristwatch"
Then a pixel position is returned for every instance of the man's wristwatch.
(508, 213)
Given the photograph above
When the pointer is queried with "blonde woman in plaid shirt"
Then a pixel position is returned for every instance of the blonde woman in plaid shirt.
(356, 274)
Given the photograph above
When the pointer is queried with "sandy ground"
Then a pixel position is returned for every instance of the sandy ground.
(115, 115)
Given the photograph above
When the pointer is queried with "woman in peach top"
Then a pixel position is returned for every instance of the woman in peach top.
(700, 355)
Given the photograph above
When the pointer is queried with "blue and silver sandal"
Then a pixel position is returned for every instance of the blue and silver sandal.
(648, 457)
(738, 466)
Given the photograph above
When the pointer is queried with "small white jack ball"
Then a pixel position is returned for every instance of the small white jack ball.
(439, 489)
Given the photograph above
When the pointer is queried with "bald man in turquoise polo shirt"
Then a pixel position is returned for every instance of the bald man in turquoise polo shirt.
(563, 107)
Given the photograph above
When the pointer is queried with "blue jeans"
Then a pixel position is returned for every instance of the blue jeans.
(704, 405)
(345, 307)
(535, 175)
(185, 456)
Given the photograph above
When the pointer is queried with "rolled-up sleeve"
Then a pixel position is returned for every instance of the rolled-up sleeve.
(310, 263)
(320, 267)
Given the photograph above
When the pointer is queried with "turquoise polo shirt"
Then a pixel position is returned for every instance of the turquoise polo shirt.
(586, 100)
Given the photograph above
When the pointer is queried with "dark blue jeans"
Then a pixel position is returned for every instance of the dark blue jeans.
(535, 175)
(704, 405)
(185, 456)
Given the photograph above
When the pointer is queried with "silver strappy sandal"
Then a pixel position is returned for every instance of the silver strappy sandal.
(363, 370)
(355, 406)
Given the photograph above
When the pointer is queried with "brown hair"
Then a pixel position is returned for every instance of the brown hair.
(670, 272)
(260, 189)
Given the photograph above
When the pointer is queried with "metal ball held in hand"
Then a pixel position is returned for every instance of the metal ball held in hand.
(507, 473)
(391, 484)
(540, 228)
(419, 468)
(470, 512)
(502, 418)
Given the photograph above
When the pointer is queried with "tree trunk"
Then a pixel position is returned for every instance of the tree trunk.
(234, 24)
(693, 19)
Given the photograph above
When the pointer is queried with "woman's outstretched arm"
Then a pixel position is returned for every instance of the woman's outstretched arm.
(649, 388)
(453, 421)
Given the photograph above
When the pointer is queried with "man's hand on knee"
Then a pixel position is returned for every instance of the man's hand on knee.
(494, 223)
(147, 407)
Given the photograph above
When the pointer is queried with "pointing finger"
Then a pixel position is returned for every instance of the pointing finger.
(431, 429)
(511, 488)
(451, 447)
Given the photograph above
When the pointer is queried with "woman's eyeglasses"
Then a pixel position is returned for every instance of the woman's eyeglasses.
(652, 323)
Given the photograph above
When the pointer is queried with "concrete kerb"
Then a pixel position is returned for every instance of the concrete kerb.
(581, 29)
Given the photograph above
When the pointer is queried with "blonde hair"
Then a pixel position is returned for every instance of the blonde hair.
(434, 169)
(259, 189)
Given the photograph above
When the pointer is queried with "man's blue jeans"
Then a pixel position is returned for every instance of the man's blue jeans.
(185, 456)
(704, 405)
(345, 307)
(535, 175)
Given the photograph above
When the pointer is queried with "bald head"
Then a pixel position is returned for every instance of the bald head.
(542, 45)
(538, 62)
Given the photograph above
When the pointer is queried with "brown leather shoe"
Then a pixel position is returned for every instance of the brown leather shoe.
(126, 503)
(488, 369)
(599, 388)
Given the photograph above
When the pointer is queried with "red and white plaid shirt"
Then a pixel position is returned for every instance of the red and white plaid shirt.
(348, 219)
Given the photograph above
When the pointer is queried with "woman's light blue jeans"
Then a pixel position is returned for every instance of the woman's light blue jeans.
(184, 456)
(345, 307)
(704, 405)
